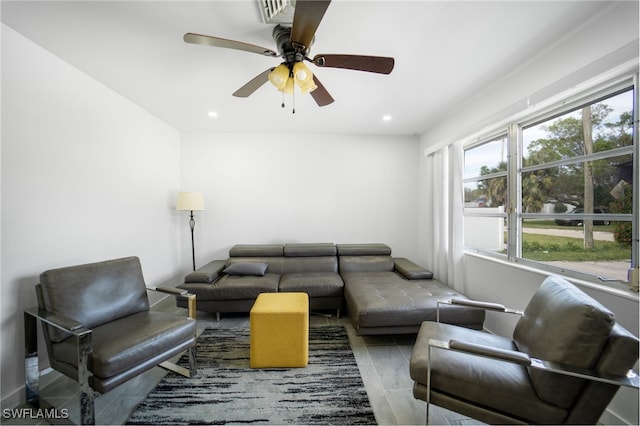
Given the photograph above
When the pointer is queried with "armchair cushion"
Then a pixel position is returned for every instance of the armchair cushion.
(110, 290)
(130, 341)
(586, 326)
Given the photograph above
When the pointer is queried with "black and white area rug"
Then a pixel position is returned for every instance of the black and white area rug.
(227, 391)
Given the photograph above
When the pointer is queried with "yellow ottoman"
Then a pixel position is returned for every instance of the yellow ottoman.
(280, 330)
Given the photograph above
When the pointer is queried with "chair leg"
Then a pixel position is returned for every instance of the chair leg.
(193, 365)
(192, 371)
(428, 382)
(87, 399)
(31, 367)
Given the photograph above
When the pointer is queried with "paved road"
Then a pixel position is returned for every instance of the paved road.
(572, 233)
(611, 270)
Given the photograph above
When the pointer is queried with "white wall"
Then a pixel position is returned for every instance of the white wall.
(275, 188)
(596, 48)
(86, 176)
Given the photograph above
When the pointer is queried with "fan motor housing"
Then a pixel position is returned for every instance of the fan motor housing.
(286, 49)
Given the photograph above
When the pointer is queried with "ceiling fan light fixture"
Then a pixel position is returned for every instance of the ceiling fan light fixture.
(289, 86)
(279, 77)
(304, 78)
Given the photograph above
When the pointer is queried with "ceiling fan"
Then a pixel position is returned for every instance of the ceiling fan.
(293, 45)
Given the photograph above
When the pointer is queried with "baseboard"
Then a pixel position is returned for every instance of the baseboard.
(610, 418)
(18, 397)
(15, 399)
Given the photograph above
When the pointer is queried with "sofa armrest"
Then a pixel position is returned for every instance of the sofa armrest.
(410, 270)
(207, 273)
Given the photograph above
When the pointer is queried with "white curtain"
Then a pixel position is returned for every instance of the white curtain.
(444, 224)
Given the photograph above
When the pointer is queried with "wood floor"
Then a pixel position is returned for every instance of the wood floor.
(383, 363)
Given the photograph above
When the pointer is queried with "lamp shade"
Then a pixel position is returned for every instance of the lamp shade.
(304, 78)
(279, 76)
(190, 201)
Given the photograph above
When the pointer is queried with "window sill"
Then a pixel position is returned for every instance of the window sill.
(619, 289)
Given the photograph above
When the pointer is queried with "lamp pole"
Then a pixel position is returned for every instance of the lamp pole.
(191, 201)
(192, 224)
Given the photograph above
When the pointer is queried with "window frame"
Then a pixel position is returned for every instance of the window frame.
(513, 129)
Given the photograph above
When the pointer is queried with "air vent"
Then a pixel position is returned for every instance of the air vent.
(277, 11)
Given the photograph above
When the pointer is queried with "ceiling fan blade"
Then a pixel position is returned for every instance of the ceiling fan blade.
(306, 18)
(320, 95)
(253, 85)
(229, 44)
(378, 64)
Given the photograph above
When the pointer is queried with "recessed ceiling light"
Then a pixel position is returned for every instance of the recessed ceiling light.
(386, 117)
(212, 114)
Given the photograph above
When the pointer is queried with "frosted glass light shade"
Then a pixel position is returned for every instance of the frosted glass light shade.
(279, 76)
(304, 78)
(190, 201)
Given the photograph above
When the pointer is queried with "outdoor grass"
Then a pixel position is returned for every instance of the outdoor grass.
(549, 248)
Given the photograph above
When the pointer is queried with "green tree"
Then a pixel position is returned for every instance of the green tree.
(495, 188)
(622, 231)
(565, 139)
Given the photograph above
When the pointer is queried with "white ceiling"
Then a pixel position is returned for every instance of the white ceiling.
(445, 51)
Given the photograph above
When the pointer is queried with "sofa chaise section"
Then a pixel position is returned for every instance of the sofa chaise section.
(387, 295)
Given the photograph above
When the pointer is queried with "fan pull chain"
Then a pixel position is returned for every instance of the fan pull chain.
(293, 96)
(283, 99)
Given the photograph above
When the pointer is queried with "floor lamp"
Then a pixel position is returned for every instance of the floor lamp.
(190, 201)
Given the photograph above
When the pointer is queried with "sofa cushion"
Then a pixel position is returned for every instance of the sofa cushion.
(315, 284)
(579, 343)
(366, 264)
(384, 299)
(274, 262)
(246, 268)
(239, 287)
(256, 250)
(312, 249)
(370, 249)
(309, 264)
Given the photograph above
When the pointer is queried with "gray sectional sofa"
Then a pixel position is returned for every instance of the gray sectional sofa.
(382, 294)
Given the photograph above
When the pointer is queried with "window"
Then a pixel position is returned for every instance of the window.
(485, 194)
(569, 189)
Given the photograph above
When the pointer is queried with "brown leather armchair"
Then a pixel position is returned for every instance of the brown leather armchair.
(565, 362)
(99, 329)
